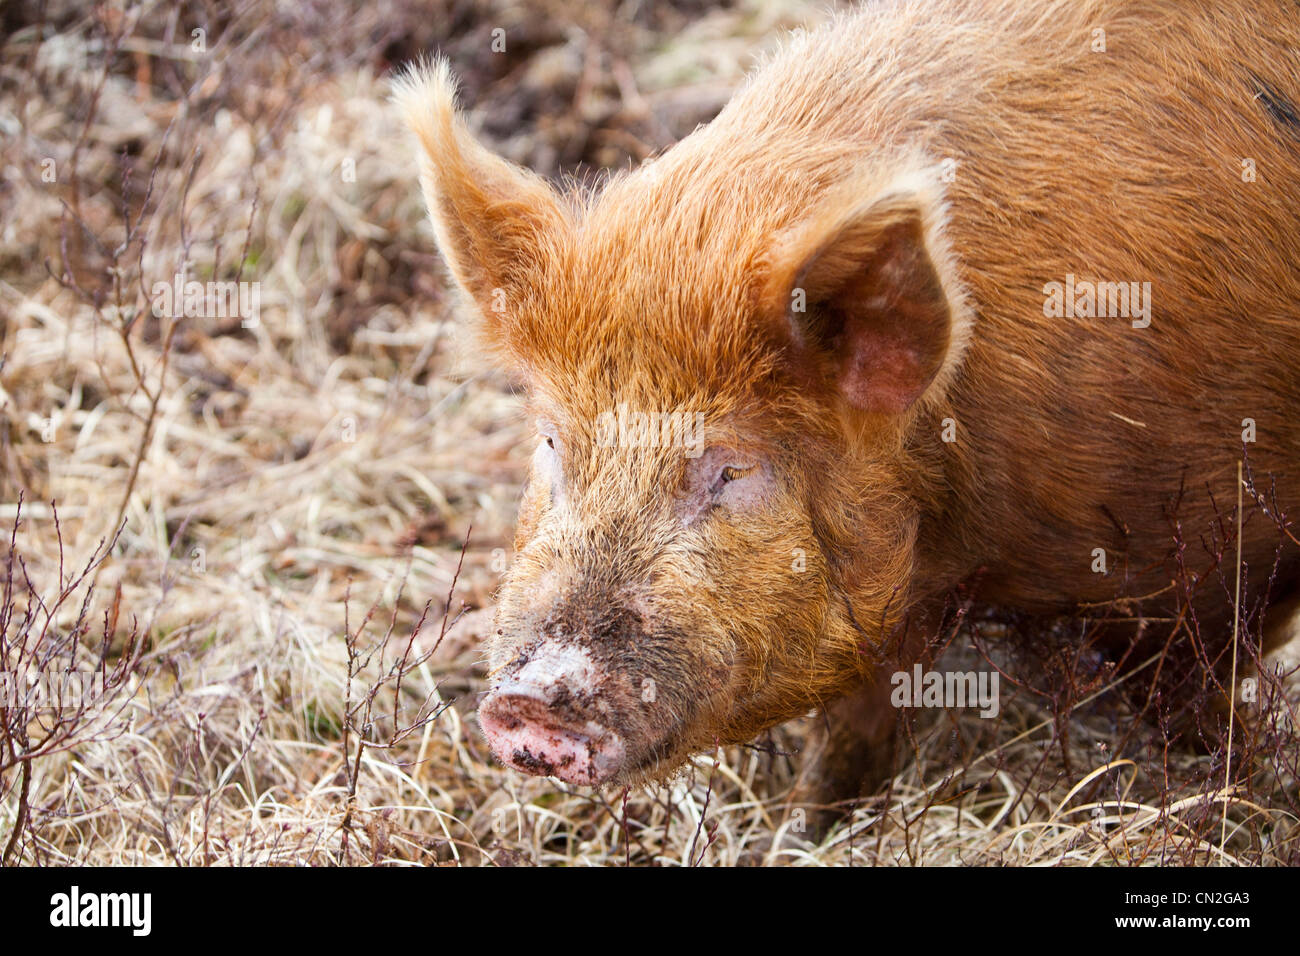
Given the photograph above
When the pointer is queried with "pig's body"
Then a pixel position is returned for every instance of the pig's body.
(1122, 166)
(926, 286)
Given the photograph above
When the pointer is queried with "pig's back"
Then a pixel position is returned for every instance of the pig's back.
(1118, 166)
(1130, 169)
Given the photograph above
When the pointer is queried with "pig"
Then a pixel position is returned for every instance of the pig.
(950, 290)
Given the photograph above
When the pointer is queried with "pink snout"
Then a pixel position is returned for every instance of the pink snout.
(534, 725)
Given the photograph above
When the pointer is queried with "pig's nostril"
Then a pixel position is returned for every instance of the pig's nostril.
(531, 736)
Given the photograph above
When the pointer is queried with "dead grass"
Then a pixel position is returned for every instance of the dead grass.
(272, 488)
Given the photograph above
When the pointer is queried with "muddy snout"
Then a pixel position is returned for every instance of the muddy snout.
(542, 718)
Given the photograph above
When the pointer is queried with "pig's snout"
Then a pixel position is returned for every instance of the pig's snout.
(536, 721)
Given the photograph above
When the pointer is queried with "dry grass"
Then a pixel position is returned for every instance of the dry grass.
(290, 501)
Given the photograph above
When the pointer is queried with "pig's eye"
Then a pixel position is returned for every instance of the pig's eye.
(729, 474)
(725, 480)
(546, 464)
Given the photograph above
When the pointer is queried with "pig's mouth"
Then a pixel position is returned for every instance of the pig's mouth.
(556, 712)
(530, 735)
(527, 734)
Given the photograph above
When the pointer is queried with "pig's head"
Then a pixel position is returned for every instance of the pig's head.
(727, 367)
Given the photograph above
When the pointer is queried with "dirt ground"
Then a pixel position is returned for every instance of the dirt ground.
(254, 528)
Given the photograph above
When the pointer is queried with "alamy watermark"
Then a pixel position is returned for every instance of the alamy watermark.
(624, 428)
(73, 909)
(46, 690)
(1083, 298)
(208, 300)
(918, 688)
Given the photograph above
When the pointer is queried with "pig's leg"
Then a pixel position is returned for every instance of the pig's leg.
(1207, 726)
(1281, 626)
(1282, 620)
(851, 749)
(854, 744)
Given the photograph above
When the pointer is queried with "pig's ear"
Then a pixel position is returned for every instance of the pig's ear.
(493, 220)
(866, 290)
